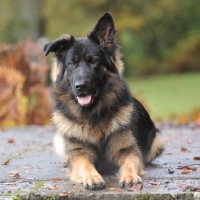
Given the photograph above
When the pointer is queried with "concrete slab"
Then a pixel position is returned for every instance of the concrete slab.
(29, 168)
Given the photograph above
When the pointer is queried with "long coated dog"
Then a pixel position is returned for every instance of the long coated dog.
(100, 126)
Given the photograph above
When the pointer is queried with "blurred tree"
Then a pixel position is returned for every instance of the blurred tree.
(149, 31)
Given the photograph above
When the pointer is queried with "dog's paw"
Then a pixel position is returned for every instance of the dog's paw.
(129, 179)
(94, 182)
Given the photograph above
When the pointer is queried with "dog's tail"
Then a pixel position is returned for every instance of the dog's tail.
(157, 147)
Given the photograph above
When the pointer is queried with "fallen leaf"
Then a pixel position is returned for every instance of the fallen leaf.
(6, 162)
(13, 188)
(25, 167)
(10, 183)
(196, 158)
(187, 168)
(182, 185)
(194, 169)
(185, 171)
(170, 171)
(52, 187)
(135, 188)
(183, 167)
(63, 194)
(11, 140)
(57, 180)
(197, 189)
(30, 178)
(183, 149)
(14, 174)
(154, 183)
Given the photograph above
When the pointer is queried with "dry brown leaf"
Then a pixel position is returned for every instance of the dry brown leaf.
(24, 94)
(135, 188)
(183, 149)
(184, 167)
(196, 158)
(14, 174)
(10, 183)
(25, 167)
(63, 194)
(57, 180)
(185, 171)
(154, 183)
(52, 187)
(11, 140)
(13, 188)
(6, 162)
(30, 178)
(194, 169)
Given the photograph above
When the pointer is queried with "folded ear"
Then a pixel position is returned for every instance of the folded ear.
(59, 45)
(104, 31)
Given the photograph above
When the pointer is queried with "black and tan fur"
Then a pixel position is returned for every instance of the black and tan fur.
(112, 131)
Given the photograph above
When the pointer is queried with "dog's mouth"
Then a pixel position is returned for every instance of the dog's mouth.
(86, 100)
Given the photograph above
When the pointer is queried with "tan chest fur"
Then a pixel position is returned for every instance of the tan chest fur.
(92, 133)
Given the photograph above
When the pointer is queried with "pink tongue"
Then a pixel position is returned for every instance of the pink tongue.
(84, 100)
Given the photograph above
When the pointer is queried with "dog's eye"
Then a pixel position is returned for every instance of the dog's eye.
(93, 61)
(72, 63)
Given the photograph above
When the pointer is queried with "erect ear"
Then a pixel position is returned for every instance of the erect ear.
(59, 45)
(104, 31)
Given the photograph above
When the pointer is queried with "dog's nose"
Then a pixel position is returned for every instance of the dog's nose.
(81, 85)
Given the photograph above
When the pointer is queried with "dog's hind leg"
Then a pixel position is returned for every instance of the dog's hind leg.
(157, 147)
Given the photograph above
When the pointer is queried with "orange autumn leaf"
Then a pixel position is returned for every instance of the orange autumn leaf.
(135, 187)
(57, 180)
(14, 174)
(52, 187)
(183, 149)
(63, 194)
(185, 171)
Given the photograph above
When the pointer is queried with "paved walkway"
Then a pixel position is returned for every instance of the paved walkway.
(29, 169)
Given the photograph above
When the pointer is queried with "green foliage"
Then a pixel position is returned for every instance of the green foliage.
(155, 35)
(169, 97)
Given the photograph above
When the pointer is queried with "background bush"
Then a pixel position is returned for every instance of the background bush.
(156, 36)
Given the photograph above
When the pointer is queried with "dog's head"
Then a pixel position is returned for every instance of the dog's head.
(84, 62)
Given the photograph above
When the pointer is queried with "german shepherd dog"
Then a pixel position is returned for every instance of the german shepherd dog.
(100, 126)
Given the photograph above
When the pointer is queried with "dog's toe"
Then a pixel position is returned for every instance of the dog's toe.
(95, 186)
(94, 183)
(121, 184)
(129, 180)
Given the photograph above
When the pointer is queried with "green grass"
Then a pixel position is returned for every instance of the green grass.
(167, 95)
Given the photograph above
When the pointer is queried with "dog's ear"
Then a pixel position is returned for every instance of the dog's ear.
(104, 31)
(59, 45)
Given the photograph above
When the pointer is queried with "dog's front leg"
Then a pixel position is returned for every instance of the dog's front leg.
(123, 151)
(83, 170)
(130, 170)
